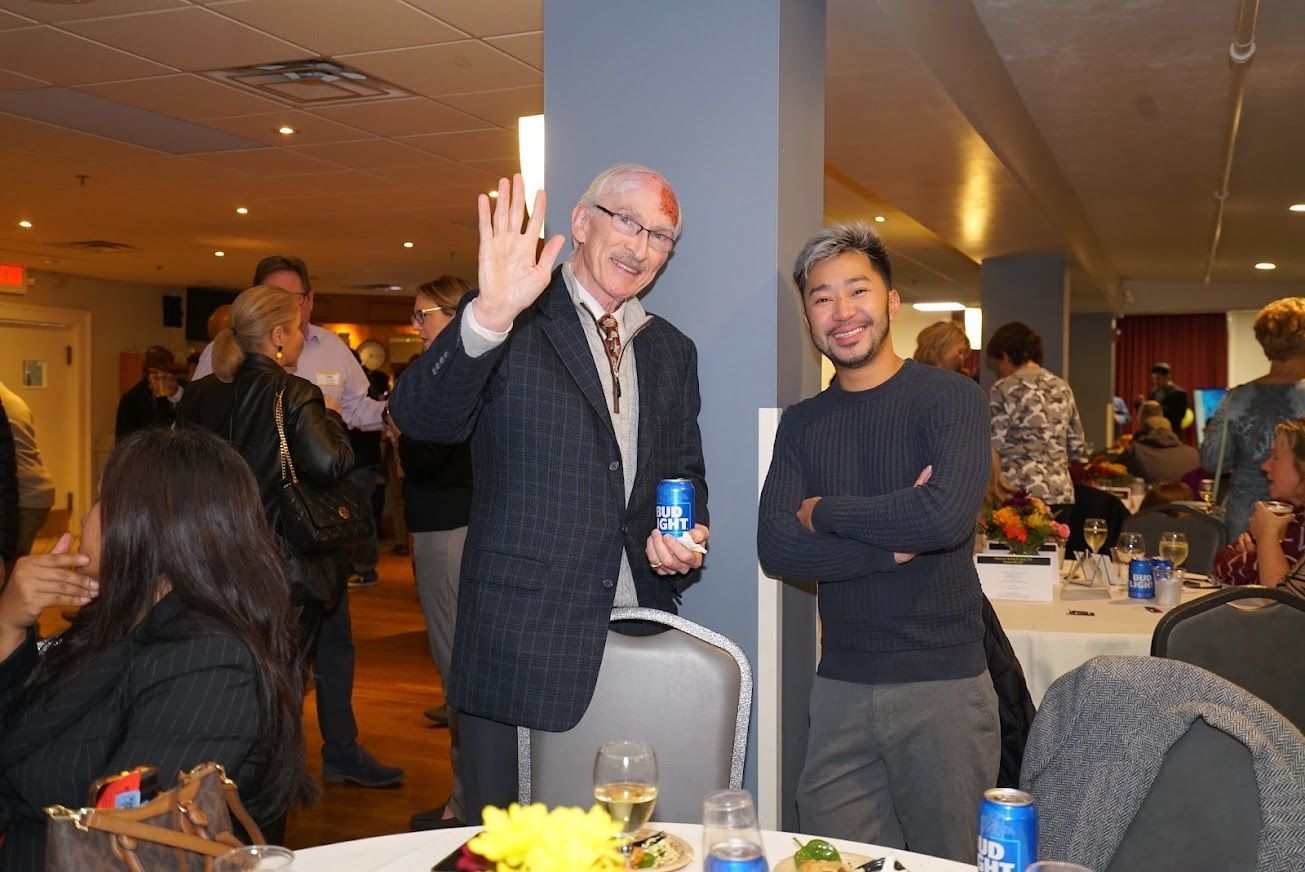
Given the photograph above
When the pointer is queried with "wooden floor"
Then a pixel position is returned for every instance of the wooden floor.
(394, 683)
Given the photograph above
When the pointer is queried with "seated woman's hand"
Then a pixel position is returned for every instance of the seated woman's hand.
(1265, 526)
(40, 581)
(1244, 542)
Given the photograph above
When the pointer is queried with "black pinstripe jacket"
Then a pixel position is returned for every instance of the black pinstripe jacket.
(549, 516)
(171, 703)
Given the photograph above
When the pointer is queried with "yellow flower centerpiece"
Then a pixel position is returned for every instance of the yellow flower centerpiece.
(537, 839)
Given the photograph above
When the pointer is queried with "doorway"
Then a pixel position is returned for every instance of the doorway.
(45, 359)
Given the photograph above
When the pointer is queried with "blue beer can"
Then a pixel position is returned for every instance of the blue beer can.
(675, 506)
(1008, 830)
(736, 855)
(1162, 569)
(1141, 579)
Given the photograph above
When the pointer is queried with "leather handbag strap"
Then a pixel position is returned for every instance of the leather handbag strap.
(238, 809)
(118, 825)
(288, 475)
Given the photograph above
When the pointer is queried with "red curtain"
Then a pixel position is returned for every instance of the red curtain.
(1196, 346)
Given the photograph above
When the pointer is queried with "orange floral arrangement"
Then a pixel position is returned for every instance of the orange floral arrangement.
(1100, 472)
(1023, 523)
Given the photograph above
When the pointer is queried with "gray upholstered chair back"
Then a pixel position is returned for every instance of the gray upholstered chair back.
(1206, 536)
(1252, 636)
(687, 692)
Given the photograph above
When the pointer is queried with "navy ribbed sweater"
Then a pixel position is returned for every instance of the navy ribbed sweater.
(861, 453)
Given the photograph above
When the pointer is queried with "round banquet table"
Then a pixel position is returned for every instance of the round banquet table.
(1049, 641)
(417, 852)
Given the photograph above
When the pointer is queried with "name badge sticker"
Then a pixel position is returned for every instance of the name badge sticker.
(329, 379)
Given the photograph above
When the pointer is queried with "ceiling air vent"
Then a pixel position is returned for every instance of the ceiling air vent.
(99, 246)
(311, 82)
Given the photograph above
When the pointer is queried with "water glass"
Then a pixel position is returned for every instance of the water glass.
(256, 858)
(1168, 592)
(731, 839)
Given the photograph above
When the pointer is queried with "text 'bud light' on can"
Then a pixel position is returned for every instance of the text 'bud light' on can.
(674, 506)
(1008, 831)
(1141, 582)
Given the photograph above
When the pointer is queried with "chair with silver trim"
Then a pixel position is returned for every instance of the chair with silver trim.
(687, 692)
(1206, 535)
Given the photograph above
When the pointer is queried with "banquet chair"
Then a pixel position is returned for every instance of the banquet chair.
(1091, 502)
(1253, 636)
(687, 692)
(1142, 764)
(1206, 536)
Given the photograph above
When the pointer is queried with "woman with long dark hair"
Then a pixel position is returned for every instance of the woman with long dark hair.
(181, 652)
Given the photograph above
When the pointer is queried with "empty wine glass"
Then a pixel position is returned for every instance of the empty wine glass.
(625, 785)
(1129, 546)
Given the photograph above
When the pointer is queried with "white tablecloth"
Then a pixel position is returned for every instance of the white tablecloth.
(1050, 642)
(417, 852)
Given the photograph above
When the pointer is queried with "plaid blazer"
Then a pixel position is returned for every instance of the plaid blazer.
(549, 517)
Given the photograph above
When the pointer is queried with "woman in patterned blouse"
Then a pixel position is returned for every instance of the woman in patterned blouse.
(1270, 551)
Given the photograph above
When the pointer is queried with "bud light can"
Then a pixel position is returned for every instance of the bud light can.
(736, 855)
(1141, 580)
(1162, 569)
(675, 506)
(1008, 831)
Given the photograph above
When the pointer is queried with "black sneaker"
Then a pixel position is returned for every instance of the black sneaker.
(357, 580)
(360, 768)
(433, 819)
(438, 716)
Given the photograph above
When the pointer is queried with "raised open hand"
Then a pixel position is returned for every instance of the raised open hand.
(511, 275)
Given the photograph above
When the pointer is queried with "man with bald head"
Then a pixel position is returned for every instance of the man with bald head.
(577, 402)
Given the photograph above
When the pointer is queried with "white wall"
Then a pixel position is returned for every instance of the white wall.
(1246, 359)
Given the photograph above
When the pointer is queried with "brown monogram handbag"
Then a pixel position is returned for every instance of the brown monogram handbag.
(183, 828)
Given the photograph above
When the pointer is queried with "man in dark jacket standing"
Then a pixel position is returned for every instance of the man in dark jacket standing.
(152, 401)
(577, 403)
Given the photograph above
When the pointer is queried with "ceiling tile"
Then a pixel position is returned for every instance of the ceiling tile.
(367, 154)
(488, 17)
(343, 182)
(438, 175)
(188, 39)
(267, 162)
(527, 47)
(402, 117)
(330, 28)
(499, 107)
(476, 144)
(186, 96)
(55, 12)
(14, 82)
(451, 68)
(498, 168)
(18, 131)
(309, 129)
(8, 21)
(64, 59)
(86, 147)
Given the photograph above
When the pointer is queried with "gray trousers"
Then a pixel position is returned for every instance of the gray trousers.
(900, 765)
(437, 561)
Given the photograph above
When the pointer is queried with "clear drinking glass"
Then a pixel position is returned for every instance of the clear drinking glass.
(1173, 546)
(256, 858)
(1095, 531)
(731, 840)
(1205, 490)
(1129, 546)
(625, 784)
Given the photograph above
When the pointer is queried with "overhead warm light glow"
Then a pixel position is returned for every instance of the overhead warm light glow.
(407, 245)
(286, 131)
(938, 307)
(25, 224)
(879, 219)
(241, 210)
(974, 326)
(1297, 207)
(219, 254)
(396, 287)
(530, 143)
(1264, 264)
(493, 195)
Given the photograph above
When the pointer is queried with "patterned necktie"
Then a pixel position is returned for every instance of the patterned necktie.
(611, 339)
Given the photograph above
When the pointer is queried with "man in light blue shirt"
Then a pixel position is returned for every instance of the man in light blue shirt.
(327, 362)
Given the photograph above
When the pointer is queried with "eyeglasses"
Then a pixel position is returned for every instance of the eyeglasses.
(419, 315)
(627, 226)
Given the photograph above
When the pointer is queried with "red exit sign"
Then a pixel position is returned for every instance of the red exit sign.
(12, 276)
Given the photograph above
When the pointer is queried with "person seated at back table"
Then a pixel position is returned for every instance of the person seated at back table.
(181, 654)
(1164, 493)
(1271, 549)
(1157, 454)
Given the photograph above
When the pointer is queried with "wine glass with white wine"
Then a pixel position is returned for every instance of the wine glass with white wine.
(1205, 490)
(625, 785)
(1173, 547)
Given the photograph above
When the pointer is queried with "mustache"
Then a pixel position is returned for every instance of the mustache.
(630, 261)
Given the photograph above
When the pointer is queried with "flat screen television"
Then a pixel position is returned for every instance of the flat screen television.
(1204, 402)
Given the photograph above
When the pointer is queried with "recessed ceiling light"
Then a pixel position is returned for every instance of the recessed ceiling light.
(407, 245)
(1297, 207)
(25, 224)
(396, 287)
(938, 307)
(879, 218)
(241, 210)
(1264, 264)
(219, 254)
(286, 131)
